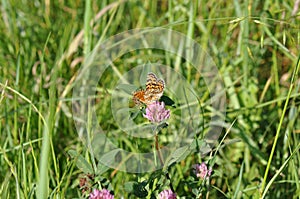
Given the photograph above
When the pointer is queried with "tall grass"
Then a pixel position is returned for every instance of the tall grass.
(255, 47)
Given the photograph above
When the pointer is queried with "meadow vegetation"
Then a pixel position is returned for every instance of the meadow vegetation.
(254, 45)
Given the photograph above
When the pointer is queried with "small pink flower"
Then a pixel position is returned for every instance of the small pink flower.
(167, 194)
(103, 194)
(156, 112)
(201, 170)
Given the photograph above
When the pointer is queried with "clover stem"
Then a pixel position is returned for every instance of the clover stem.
(158, 150)
(161, 160)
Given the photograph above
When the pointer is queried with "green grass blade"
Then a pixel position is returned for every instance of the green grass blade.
(295, 74)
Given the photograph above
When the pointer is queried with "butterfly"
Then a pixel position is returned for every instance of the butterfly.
(154, 90)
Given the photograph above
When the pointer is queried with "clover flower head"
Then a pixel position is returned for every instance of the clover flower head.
(202, 171)
(167, 194)
(156, 112)
(103, 194)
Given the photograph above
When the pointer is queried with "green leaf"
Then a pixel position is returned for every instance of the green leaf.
(155, 175)
(140, 190)
(81, 163)
(101, 168)
(197, 144)
(179, 154)
(134, 114)
(128, 186)
(168, 101)
(136, 188)
(109, 158)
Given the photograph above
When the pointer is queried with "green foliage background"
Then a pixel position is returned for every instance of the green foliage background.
(254, 43)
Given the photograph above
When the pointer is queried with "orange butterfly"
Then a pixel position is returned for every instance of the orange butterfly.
(154, 90)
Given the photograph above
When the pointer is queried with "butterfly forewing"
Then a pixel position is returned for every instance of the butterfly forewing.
(154, 85)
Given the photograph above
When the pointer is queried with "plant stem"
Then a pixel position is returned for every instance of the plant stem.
(158, 150)
(161, 160)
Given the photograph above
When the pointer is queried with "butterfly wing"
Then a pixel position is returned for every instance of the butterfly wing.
(154, 90)
(154, 84)
(139, 97)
